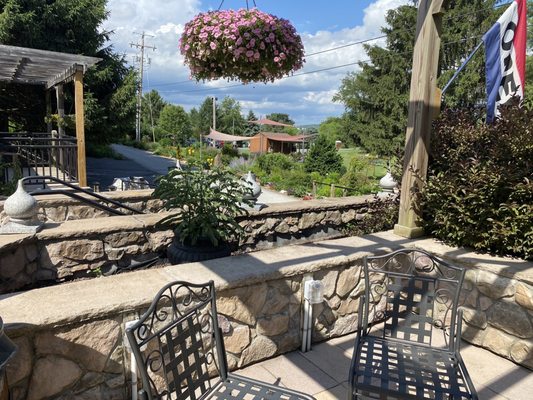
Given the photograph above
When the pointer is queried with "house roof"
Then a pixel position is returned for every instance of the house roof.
(283, 137)
(266, 121)
(40, 67)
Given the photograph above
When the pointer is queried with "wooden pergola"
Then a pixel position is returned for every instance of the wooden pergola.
(52, 70)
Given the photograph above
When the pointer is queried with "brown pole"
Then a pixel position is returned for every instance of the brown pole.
(60, 96)
(80, 125)
(424, 105)
(48, 100)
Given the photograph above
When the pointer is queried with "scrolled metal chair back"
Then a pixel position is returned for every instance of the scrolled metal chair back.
(179, 343)
(412, 293)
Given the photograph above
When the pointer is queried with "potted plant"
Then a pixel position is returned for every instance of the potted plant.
(245, 45)
(206, 204)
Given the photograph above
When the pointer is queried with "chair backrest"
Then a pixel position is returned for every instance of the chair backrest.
(177, 342)
(411, 293)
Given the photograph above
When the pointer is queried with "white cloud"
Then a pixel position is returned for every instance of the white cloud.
(307, 98)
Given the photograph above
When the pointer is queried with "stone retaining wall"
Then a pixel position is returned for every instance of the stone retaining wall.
(71, 337)
(60, 208)
(84, 248)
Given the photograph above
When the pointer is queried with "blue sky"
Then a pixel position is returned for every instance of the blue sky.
(307, 99)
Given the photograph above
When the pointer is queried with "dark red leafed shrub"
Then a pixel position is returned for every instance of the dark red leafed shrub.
(480, 184)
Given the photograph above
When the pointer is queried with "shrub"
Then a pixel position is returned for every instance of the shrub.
(267, 162)
(229, 150)
(323, 157)
(381, 215)
(480, 189)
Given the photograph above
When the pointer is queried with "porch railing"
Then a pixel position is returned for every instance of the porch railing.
(38, 154)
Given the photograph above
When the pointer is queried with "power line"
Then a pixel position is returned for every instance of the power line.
(317, 70)
(358, 42)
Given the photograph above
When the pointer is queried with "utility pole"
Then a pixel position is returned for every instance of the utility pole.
(141, 46)
(424, 105)
(214, 113)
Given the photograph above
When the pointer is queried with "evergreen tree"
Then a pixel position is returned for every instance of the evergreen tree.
(323, 157)
(251, 128)
(205, 116)
(174, 124)
(231, 119)
(376, 98)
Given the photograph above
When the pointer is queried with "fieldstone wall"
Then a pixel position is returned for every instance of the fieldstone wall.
(77, 251)
(71, 337)
(85, 248)
(60, 208)
(88, 360)
(498, 315)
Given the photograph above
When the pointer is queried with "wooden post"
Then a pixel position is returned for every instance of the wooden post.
(80, 125)
(48, 100)
(60, 96)
(423, 106)
(332, 190)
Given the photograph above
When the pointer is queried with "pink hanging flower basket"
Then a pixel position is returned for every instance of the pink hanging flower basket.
(245, 45)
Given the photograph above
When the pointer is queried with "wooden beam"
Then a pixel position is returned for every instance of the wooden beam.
(80, 126)
(66, 76)
(48, 100)
(423, 107)
(60, 96)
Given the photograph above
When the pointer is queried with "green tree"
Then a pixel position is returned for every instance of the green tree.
(204, 120)
(251, 129)
(376, 98)
(152, 105)
(323, 157)
(333, 128)
(174, 123)
(231, 119)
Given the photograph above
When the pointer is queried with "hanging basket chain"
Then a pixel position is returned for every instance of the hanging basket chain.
(220, 5)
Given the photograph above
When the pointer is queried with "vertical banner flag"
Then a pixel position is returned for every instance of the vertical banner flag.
(505, 49)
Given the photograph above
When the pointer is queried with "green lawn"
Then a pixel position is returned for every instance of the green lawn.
(377, 168)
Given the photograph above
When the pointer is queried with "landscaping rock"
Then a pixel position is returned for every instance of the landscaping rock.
(20, 366)
(524, 295)
(347, 281)
(51, 375)
(498, 342)
(476, 318)
(495, 286)
(90, 344)
(522, 352)
(273, 326)
(261, 348)
(244, 304)
(511, 318)
(238, 340)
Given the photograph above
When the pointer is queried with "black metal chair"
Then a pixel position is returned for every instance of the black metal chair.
(180, 352)
(411, 297)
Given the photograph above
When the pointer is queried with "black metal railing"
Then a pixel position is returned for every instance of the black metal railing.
(37, 154)
(82, 195)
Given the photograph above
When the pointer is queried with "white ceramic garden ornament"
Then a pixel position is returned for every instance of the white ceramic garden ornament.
(21, 208)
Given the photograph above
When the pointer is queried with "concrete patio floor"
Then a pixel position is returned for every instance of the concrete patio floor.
(322, 372)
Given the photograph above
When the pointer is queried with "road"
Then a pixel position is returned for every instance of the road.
(143, 163)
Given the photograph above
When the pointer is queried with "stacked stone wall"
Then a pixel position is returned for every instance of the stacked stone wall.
(89, 247)
(89, 360)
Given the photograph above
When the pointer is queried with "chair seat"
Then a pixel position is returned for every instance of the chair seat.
(408, 371)
(242, 388)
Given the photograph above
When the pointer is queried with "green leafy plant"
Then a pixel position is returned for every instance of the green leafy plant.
(381, 215)
(480, 187)
(206, 205)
